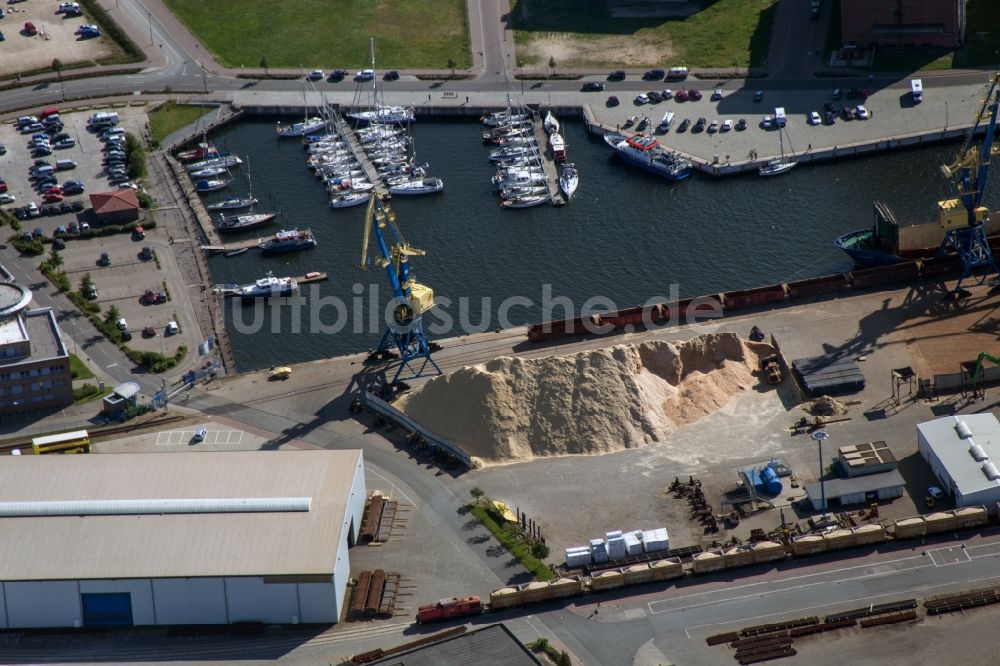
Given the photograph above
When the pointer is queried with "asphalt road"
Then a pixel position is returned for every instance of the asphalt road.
(669, 618)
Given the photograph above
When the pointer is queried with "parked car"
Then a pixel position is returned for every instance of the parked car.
(741, 124)
(861, 113)
(338, 75)
(68, 142)
(654, 75)
(90, 292)
(848, 113)
(699, 125)
(716, 94)
(727, 125)
(612, 101)
(767, 122)
(829, 118)
(681, 96)
(7, 198)
(694, 94)
(104, 259)
(654, 97)
(836, 93)
(28, 128)
(758, 95)
(52, 197)
(30, 29)
(814, 118)
(77, 206)
(391, 75)
(593, 86)
(365, 75)
(37, 233)
(3, 149)
(617, 75)
(667, 93)
(172, 328)
(684, 125)
(149, 332)
(713, 127)
(199, 434)
(58, 244)
(122, 324)
(146, 254)
(641, 99)
(316, 75)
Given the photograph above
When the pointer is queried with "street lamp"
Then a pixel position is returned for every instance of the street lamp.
(72, 323)
(149, 17)
(819, 436)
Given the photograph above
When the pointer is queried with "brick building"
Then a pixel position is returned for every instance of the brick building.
(117, 207)
(903, 22)
(34, 363)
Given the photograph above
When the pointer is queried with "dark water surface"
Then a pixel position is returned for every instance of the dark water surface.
(627, 236)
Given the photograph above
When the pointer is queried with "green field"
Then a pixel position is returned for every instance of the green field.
(171, 116)
(78, 369)
(330, 34)
(725, 33)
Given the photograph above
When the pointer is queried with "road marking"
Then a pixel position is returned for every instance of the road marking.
(942, 557)
(113, 365)
(212, 437)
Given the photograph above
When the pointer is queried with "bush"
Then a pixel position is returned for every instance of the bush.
(86, 391)
(145, 200)
(135, 157)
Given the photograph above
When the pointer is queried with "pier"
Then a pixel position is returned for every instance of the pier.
(313, 276)
(371, 173)
(548, 160)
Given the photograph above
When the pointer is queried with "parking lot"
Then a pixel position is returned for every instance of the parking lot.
(128, 273)
(56, 38)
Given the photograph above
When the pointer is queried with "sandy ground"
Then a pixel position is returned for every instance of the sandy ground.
(55, 39)
(571, 51)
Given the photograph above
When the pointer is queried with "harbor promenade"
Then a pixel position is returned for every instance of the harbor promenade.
(895, 123)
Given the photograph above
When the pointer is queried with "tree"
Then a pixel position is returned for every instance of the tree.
(563, 659)
(477, 493)
(86, 282)
(552, 64)
(112, 315)
(539, 644)
(55, 259)
(264, 64)
(452, 65)
(539, 550)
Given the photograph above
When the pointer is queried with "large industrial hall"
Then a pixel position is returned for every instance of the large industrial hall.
(178, 538)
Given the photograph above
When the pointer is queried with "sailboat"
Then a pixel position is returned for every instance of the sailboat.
(244, 221)
(382, 113)
(780, 165)
(309, 124)
(551, 124)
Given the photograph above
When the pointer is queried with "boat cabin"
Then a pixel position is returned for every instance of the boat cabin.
(644, 143)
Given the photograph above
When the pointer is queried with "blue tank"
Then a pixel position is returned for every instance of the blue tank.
(770, 481)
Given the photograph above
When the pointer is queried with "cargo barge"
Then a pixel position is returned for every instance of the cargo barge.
(700, 308)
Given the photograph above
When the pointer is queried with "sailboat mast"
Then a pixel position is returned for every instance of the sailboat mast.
(374, 76)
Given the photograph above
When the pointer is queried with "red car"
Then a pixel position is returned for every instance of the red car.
(694, 94)
(30, 29)
(3, 186)
(52, 197)
(681, 95)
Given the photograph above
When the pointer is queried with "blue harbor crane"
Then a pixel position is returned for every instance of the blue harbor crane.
(411, 299)
(963, 217)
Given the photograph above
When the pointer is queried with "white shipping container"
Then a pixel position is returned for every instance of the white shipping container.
(612, 535)
(599, 552)
(632, 543)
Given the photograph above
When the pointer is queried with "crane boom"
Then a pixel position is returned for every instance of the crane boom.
(405, 332)
(964, 216)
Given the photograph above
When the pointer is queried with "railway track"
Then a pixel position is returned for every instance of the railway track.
(100, 433)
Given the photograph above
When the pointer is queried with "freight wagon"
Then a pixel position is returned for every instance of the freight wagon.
(710, 561)
(669, 313)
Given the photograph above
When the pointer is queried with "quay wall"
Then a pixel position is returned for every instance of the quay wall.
(716, 166)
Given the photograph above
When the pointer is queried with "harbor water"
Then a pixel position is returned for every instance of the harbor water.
(626, 237)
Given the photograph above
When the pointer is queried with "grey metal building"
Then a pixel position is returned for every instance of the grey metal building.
(964, 453)
(177, 538)
(857, 490)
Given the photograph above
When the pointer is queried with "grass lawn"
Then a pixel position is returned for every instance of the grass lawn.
(982, 35)
(725, 33)
(332, 33)
(507, 537)
(171, 116)
(78, 369)
(87, 393)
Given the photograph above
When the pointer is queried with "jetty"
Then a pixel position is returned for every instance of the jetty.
(371, 173)
(547, 158)
(226, 290)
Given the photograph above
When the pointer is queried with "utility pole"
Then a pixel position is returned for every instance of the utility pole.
(149, 17)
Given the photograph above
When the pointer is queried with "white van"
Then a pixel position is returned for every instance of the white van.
(779, 116)
(917, 90)
(104, 118)
(64, 165)
(678, 73)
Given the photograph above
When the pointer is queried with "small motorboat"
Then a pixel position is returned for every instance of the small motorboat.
(237, 252)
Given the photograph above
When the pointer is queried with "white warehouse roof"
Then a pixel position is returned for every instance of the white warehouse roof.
(969, 459)
(143, 545)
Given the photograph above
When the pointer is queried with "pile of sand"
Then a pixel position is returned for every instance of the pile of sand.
(513, 409)
(826, 406)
